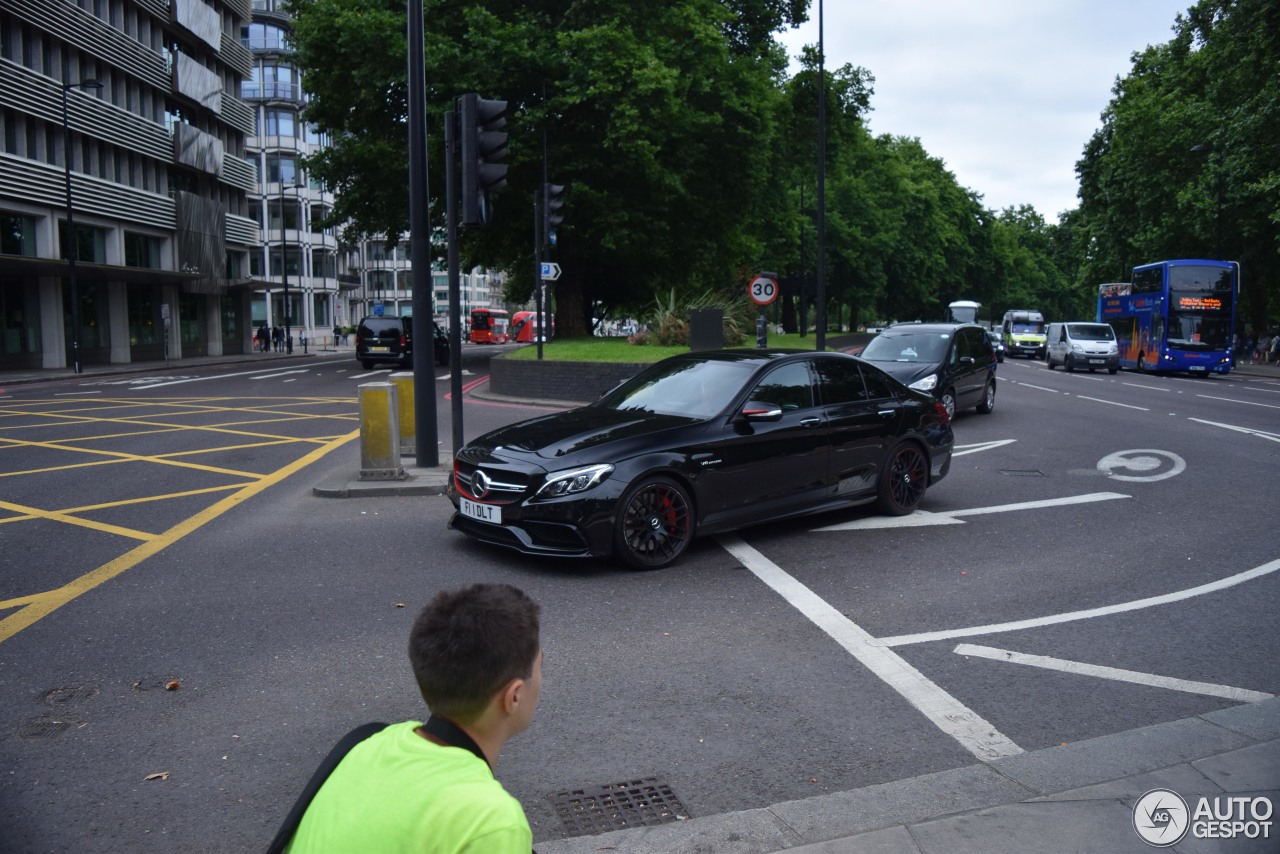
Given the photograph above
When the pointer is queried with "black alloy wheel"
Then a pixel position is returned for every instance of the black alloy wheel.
(655, 525)
(988, 398)
(904, 480)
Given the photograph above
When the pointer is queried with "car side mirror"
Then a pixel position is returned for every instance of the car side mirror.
(966, 360)
(759, 410)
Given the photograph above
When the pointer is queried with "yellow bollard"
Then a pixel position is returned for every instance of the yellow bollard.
(379, 433)
(408, 421)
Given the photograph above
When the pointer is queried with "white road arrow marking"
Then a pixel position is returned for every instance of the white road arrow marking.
(921, 518)
(1099, 671)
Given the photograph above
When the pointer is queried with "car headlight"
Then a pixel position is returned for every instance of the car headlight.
(926, 384)
(1077, 348)
(575, 480)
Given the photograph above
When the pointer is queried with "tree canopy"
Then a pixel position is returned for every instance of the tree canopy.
(689, 157)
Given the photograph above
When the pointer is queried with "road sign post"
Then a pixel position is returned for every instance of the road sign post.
(763, 289)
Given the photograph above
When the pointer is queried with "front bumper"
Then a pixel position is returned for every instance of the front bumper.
(1084, 361)
(570, 526)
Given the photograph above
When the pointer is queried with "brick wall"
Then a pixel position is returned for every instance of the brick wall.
(576, 382)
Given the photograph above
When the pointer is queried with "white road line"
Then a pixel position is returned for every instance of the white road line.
(1243, 695)
(1261, 434)
(1040, 387)
(1147, 387)
(946, 712)
(200, 379)
(1111, 402)
(370, 374)
(1071, 616)
(922, 518)
(961, 450)
(75, 393)
(281, 374)
(1232, 400)
(1038, 505)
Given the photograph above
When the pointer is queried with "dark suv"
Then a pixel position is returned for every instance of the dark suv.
(952, 361)
(389, 338)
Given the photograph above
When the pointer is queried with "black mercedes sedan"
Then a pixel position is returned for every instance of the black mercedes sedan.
(702, 443)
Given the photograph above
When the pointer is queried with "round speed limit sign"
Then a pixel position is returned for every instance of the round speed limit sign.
(762, 290)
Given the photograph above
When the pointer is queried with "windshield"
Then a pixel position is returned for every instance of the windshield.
(907, 346)
(689, 387)
(1188, 331)
(1091, 332)
(1200, 308)
(1031, 328)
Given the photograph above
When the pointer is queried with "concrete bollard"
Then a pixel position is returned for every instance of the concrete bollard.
(379, 433)
(408, 421)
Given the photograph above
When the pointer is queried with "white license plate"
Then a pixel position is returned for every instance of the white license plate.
(490, 513)
(1196, 368)
(1097, 361)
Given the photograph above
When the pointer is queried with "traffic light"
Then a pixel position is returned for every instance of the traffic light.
(483, 148)
(552, 203)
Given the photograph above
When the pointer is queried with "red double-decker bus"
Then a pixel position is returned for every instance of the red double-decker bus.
(488, 326)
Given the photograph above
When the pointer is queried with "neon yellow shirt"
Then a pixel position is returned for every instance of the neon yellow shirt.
(396, 791)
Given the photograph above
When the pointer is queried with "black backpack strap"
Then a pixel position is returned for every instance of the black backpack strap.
(340, 750)
(454, 736)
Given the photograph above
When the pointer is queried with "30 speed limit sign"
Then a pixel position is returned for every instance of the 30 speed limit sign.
(762, 290)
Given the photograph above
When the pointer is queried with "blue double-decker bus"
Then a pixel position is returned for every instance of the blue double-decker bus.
(1174, 315)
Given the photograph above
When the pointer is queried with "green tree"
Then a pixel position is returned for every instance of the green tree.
(657, 116)
(1186, 163)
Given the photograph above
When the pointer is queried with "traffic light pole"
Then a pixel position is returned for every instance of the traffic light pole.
(455, 285)
(426, 434)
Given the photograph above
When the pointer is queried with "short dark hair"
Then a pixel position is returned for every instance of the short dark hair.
(466, 644)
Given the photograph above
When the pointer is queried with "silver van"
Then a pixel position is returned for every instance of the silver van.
(1082, 345)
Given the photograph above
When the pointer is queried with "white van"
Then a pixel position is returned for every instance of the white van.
(1082, 345)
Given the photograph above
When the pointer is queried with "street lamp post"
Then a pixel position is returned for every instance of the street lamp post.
(284, 269)
(74, 249)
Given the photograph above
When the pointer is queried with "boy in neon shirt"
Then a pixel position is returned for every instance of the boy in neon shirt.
(430, 787)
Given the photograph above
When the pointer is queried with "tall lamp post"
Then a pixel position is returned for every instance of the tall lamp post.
(284, 270)
(74, 249)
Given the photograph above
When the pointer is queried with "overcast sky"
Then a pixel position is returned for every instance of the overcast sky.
(1005, 92)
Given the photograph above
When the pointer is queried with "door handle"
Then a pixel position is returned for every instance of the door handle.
(810, 422)
(885, 413)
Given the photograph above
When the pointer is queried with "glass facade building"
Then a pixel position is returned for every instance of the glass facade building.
(138, 102)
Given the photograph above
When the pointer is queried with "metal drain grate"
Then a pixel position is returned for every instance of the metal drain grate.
(43, 728)
(615, 806)
(1023, 473)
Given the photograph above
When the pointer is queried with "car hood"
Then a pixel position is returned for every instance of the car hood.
(565, 434)
(905, 372)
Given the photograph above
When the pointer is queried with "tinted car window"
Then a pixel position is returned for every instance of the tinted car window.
(908, 346)
(878, 385)
(839, 382)
(789, 387)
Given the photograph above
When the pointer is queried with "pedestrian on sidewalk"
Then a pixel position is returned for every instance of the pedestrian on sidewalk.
(430, 787)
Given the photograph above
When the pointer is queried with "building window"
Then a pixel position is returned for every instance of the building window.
(142, 315)
(142, 250)
(264, 37)
(281, 123)
(17, 235)
(282, 169)
(91, 243)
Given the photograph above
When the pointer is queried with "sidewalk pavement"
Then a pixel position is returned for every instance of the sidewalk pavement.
(1073, 798)
(1076, 797)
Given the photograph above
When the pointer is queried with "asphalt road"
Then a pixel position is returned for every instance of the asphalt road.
(203, 619)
